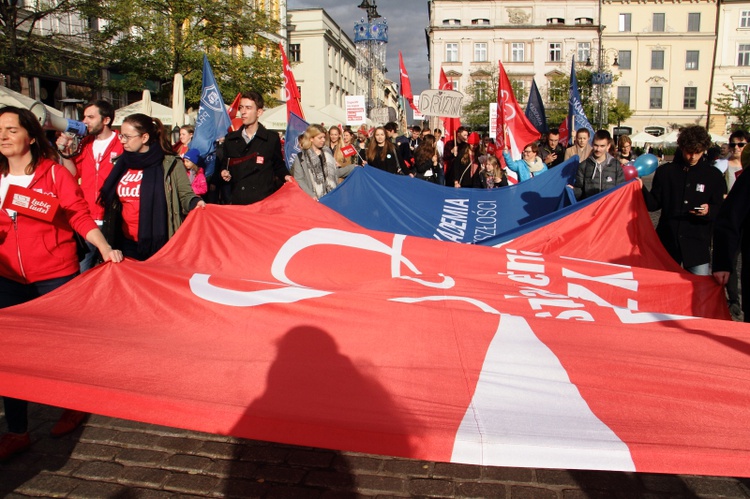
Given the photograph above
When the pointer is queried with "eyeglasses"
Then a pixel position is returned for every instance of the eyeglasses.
(127, 137)
(527, 151)
(737, 144)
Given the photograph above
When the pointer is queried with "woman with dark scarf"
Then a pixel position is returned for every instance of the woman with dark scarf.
(144, 194)
(314, 168)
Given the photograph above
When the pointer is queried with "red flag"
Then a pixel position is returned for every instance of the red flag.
(234, 109)
(565, 361)
(291, 94)
(514, 129)
(405, 83)
(564, 132)
(450, 124)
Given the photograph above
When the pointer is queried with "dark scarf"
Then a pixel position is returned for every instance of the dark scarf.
(152, 220)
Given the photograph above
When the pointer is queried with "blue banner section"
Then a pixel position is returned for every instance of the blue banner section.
(535, 109)
(294, 128)
(392, 203)
(576, 115)
(212, 122)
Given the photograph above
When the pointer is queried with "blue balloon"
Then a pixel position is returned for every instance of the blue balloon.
(646, 164)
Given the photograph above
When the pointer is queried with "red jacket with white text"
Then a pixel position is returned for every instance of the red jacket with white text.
(93, 172)
(33, 250)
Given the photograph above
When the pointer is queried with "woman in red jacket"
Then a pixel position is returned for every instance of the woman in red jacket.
(37, 256)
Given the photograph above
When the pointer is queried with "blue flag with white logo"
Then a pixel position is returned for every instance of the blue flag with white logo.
(295, 127)
(212, 122)
(576, 116)
(535, 109)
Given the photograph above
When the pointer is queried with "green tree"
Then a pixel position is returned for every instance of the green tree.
(481, 93)
(735, 105)
(26, 46)
(154, 39)
(618, 112)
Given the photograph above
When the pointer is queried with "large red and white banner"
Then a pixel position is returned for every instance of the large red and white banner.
(284, 321)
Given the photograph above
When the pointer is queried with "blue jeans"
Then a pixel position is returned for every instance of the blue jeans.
(89, 261)
(15, 293)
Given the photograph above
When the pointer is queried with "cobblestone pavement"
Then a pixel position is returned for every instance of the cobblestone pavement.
(113, 458)
(120, 459)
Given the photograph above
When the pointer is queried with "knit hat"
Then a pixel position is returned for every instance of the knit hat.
(193, 155)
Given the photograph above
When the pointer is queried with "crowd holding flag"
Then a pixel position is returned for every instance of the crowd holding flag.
(576, 116)
(535, 109)
(212, 122)
(291, 93)
(514, 130)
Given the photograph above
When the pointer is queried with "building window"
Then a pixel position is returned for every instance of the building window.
(483, 22)
(655, 97)
(555, 20)
(623, 95)
(295, 52)
(584, 20)
(516, 52)
(454, 85)
(623, 59)
(658, 22)
(624, 22)
(691, 59)
(694, 21)
(584, 51)
(451, 52)
(451, 22)
(743, 58)
(555, 52)
(690, 98)
(745, 19)
(519, 89)
(740, 95)
(480, 52)
(657, 59)
(480, 90)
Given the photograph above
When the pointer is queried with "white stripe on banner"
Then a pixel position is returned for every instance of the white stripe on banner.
(526, 412)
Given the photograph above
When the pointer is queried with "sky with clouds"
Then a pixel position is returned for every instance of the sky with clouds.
(407, 20)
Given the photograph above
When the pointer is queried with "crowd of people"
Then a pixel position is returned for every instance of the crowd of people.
(125, 193)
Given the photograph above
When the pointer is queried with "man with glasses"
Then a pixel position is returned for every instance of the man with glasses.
(689, 192)
(732, 235)
(600, 171)
(92, 162)
(737, 142)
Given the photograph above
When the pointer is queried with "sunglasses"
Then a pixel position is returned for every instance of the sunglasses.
(737, 144)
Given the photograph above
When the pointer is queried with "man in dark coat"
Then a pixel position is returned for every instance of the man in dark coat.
(552, 152)
(250, 158)
(689, 192)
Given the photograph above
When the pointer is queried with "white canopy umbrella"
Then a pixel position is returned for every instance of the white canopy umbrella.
(642, 138)
(146, 103)
(671, 137)
(715, 137)
(275, 118)
(160, 111)
(178, 101)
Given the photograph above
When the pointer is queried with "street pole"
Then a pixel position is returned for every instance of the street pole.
(600, 120)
